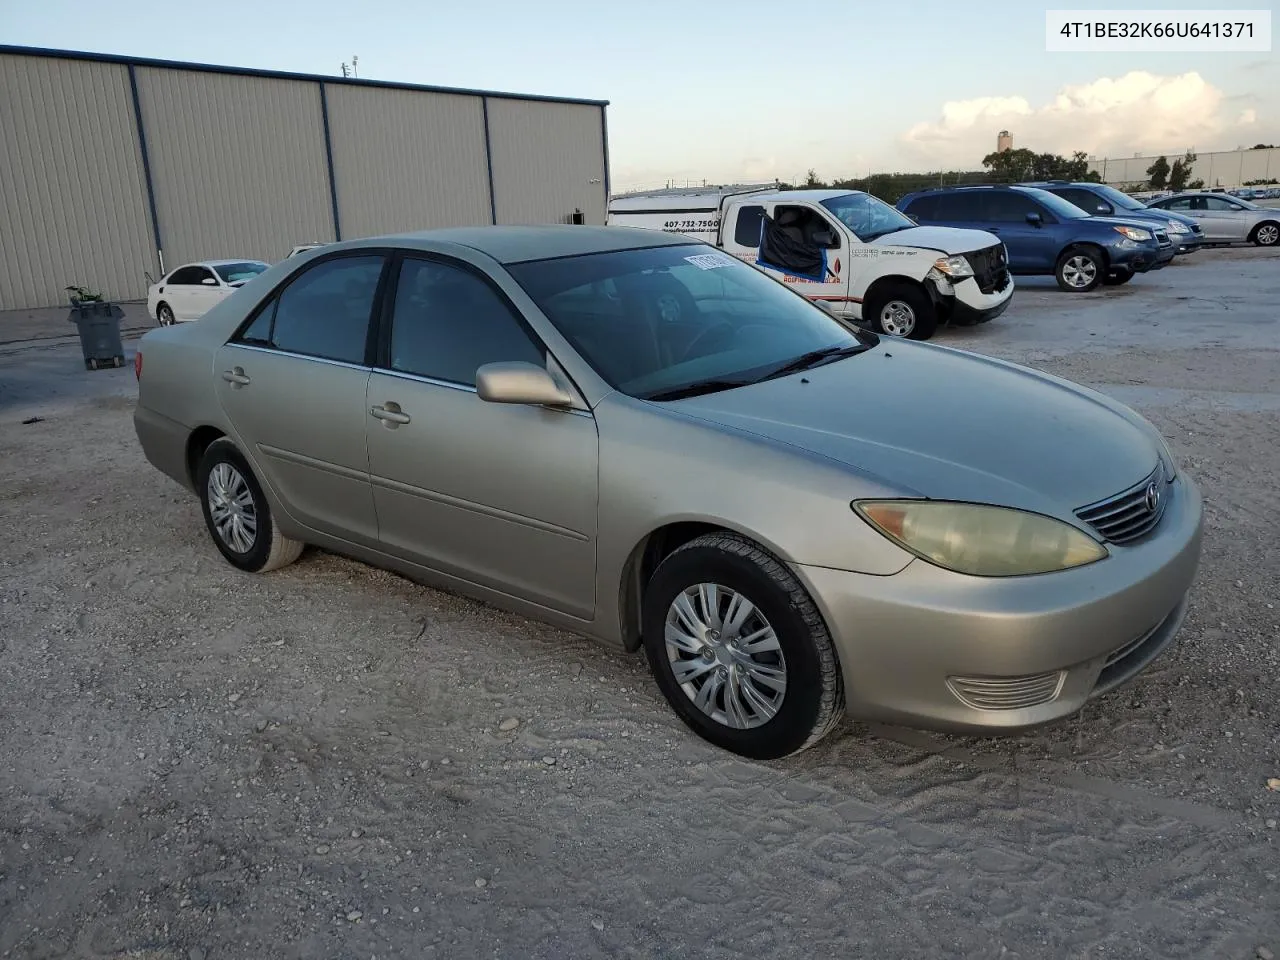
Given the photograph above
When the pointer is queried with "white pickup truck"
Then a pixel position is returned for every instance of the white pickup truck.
(857, 255)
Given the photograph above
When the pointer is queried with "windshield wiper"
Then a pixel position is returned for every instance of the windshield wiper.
(816, 358)
(696, 389)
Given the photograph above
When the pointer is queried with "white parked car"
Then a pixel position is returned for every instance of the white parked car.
(188, 292)
(303, 248)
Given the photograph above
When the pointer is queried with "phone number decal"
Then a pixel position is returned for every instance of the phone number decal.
(691, 225)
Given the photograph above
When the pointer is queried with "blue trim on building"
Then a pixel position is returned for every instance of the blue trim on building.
(328, 156)
(604, 139)
(488, 161)
(146, 167)
(275, 74)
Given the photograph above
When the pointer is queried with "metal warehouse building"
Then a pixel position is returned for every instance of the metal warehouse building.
(113, 167)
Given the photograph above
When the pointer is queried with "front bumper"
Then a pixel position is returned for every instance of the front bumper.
(1187, 242)
(1140, 258)
(931, 648)
(964, 303)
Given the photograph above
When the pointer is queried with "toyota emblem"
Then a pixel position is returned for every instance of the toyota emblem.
(1153, 497)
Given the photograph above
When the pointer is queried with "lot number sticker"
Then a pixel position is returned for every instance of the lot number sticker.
(710, 261)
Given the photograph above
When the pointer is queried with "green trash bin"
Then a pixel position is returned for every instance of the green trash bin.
(99, 327)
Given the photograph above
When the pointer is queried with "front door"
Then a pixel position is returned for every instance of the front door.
(206, 293)
(498, 494)
(801, 246)
(293, 384)
(1222, 219)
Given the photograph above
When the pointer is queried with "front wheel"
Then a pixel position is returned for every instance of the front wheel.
(739, 649)
(165, 315)
(1080, 270)
(900, 309)
(1266, 234)
(237, 513)
(1118, 277)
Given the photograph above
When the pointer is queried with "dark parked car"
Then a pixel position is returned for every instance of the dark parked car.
(1102, 200)
(1046, 235)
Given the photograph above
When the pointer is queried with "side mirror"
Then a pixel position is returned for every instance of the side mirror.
(209, 282)
(1035, 219)
(519, 382)
(826, 239)
(1105, 208)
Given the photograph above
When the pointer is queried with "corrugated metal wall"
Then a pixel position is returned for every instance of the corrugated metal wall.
(407, 160)
(548, 160)
(73, 207)
(1223, 168)
(238, 164)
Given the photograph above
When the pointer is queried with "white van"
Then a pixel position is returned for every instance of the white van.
(857, 255)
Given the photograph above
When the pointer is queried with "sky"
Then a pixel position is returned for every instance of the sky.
(747, 90)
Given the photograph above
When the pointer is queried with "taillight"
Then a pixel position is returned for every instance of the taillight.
(137, 365)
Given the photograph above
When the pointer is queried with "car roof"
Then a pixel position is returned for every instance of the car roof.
(219, 263)
(521, 244)
(973, 187)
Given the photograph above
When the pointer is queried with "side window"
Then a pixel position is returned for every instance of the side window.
(1083, 199)
(185, 276)
(746, 232)
(1182, 203)
(924, 208)
(259, 331)
(1219, 203)
(1012, 207)
(966, 205)
(324, 312)
(448, 323)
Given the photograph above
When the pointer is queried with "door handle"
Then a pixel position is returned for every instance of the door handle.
(236, 377)
(390, 414)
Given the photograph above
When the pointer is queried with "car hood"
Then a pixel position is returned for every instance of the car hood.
(948, 240)
(937, 423)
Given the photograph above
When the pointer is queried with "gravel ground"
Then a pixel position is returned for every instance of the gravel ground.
(331, 761)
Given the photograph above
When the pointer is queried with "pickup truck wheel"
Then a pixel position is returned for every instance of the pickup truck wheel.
(900, 310)
(1080, 269)
(1116, 277)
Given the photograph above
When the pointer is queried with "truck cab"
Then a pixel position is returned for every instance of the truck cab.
(845, 249)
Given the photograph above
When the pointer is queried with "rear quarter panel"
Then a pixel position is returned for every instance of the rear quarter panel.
(175, 396)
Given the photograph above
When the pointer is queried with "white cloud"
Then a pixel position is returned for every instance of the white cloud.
(1116, 117)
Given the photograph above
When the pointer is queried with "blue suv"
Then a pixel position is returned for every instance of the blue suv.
(1046, 235)
(1098, 198)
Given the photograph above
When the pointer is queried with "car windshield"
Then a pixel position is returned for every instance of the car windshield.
(237, 272)
(665, 322)
(1063, 209)
(1118, 199)
(866, 216)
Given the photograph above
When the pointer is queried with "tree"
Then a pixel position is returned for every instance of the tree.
(812, 182)
(1023, 164)
(1159, 173)
(1263, 146)
(1180, 172)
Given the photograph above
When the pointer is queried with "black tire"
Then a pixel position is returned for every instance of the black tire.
(1265, 234)
(1072, 264)
(91, 363)
(813, 702)
(1117, 278)
(164, 315)
(924, 317)
(269, 549)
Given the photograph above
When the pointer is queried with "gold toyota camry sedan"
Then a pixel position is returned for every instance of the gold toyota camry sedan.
(640, 438)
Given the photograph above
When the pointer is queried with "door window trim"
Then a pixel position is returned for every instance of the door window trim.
(273, 298)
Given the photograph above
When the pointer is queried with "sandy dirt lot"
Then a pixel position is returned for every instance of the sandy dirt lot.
(322, 762)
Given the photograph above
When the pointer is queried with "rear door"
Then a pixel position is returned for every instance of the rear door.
(502, 495)
(293, 384)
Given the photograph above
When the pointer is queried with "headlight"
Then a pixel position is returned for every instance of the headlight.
(957, 268)
(1133, 233)
(981, 540)
(1176, 226)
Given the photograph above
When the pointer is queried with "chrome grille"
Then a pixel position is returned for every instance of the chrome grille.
(1006, 693)
(1132, 513)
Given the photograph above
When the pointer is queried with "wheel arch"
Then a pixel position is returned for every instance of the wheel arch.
(197, 443)
(1091, 245)
(654, 547)
(1253, 234)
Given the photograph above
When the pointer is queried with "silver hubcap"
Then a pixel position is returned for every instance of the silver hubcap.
(166, 316)
(231, 507)
(1079, 272)
(725, 656)
(1267, 235)
(897, 319)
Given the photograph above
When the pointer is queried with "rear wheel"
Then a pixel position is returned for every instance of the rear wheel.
(739, 649)
(1117, 277)
(165, 315)
(1266, 234)
(237, 513)
(900, 309)
(1080, 269)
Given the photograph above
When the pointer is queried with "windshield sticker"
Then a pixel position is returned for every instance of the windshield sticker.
(710, 261)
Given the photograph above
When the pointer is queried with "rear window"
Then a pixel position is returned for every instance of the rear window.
(746, 233)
